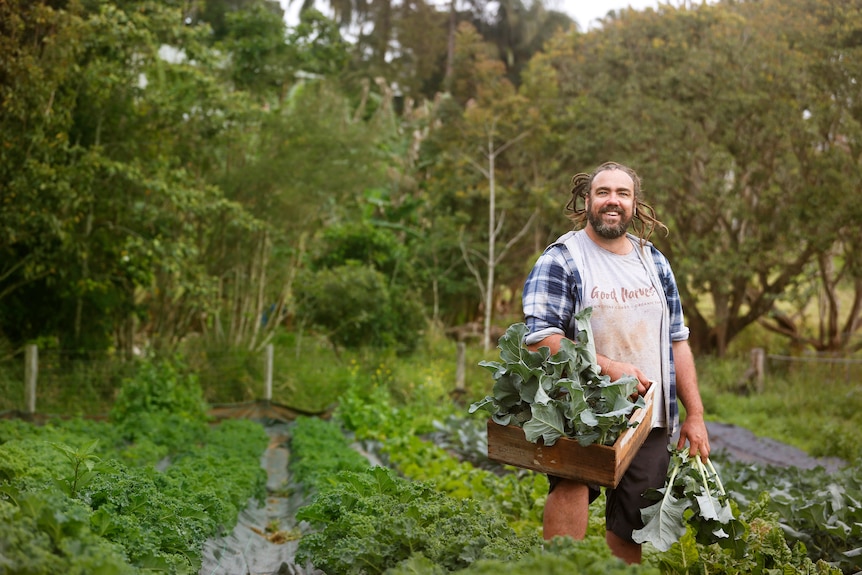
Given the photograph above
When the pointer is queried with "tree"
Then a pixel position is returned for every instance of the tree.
(708, 103)
(38, 52)
(359, 291)
(519, 31)
(256, 44)
(827, 152)
(217, 13)
(491, 124)
(115, 204)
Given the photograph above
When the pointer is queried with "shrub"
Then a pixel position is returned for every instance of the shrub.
(161, 385)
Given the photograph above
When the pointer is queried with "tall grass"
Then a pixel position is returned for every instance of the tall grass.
(814, 406)
(311, 375)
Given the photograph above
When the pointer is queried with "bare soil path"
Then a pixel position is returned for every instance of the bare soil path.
(741, 444)
(265, 538)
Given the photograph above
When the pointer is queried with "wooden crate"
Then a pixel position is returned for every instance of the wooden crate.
(595, 464)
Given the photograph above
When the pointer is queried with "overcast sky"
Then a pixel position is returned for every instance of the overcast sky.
(586, 11)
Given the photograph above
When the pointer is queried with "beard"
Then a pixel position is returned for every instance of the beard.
(609, 232)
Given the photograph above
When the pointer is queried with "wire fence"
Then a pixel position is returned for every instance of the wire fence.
(823, 366)
(58, 382)
(64, 381)
(766, 369)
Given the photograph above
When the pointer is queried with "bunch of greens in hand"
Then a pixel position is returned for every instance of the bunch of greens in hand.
(693, 496)
(560, 395)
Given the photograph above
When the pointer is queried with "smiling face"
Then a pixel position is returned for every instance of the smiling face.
(611, 203)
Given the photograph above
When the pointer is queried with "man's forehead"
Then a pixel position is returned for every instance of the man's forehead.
(614, 180)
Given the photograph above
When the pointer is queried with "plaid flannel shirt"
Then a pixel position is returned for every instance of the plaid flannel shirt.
(554, 286)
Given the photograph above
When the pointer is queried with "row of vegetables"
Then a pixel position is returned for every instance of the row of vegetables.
(140, 491)
(143, 490)
(791, 521)
(71, 504)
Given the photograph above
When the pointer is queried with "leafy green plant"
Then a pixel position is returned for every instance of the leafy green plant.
(369, 522)
(319, 450)
(101, 516)
(468, 438)
(564, 556)
(693, 497)
(561, 556)
(761, 548)
(46, 532)
(162, 403)
(518, 496)
(83, 462)
(161, 385)
(395, 434)
(563, 395)
(817, 508)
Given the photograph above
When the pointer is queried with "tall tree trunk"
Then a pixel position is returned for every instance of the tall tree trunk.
(492, 257)
(492, 241)
(85, 275)
(450, 46)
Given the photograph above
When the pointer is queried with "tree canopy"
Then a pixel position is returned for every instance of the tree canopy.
(178, 168)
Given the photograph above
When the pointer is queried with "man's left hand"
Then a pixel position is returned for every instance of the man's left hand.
(694, 432)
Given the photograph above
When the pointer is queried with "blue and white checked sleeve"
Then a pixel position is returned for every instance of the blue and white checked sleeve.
(549, 295)
(678, 330)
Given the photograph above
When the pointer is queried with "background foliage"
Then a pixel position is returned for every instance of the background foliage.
(200, 177)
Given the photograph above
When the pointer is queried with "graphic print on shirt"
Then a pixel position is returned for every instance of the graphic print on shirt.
(627, 309)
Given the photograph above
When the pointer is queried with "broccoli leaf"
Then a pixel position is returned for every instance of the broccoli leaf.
(690, 485)
(664, 522)
(546, 423)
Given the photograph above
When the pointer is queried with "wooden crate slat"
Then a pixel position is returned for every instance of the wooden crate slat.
(597, 464)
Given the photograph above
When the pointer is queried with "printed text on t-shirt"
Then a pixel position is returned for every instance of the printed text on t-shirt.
(623, 294)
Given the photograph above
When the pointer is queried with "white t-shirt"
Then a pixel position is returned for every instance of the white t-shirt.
(627, 310)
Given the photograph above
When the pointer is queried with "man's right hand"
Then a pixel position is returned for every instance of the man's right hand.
(617, 369)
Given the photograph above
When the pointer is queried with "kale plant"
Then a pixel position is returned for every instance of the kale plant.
(369, 522)
(560, 395)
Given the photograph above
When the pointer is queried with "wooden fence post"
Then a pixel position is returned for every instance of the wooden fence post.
(460, 369)
(758, 364)
(31, 374)
(267, 374)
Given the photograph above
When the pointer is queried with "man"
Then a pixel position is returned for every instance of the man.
(639, 330)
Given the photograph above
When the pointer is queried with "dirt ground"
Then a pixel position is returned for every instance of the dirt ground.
(742, 445)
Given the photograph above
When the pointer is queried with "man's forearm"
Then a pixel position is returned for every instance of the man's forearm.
(552, 342)
(686, 379)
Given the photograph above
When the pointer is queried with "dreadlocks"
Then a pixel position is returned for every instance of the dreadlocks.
(644, 221)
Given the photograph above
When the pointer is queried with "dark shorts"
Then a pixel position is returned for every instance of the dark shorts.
(648, 469)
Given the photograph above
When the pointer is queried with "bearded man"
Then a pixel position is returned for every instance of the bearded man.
(639, 330)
